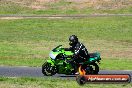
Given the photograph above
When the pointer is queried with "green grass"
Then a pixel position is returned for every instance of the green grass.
(126, 10)
(29, 41)
(63, 7)
(37, 30)
(106, 64)
(52, 83)
(12, 8)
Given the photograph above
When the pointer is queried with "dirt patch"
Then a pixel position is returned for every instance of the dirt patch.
(11, 18)
(47, 0)
(78, 4)
(37, 7)
(102, 4)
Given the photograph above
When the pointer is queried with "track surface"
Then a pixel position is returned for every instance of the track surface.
(60, 16)
(6, 71)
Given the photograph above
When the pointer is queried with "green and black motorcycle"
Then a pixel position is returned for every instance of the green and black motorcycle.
(58, 63)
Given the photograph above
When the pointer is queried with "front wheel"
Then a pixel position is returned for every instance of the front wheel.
(48, 70)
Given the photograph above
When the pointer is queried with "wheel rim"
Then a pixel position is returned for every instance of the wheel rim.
(48, 69)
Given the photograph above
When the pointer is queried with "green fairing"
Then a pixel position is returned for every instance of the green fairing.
(61, 50)
(68, 53)
(59, 57)
(51, 62)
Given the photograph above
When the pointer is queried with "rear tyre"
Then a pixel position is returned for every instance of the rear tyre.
(80, 80)
(48, 70)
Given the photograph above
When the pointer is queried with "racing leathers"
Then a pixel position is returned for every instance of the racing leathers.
(80, 53)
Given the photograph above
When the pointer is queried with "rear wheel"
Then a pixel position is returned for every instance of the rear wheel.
(48, 70)
(81, 80)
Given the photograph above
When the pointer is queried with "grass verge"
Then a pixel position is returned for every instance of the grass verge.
(52, 83)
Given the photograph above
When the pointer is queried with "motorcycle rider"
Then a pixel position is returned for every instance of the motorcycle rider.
(80, 52)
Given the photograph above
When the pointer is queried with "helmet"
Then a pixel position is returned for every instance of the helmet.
(73, 40)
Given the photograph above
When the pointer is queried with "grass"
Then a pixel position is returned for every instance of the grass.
(63, 7)
(52, 83)
(29, 41)
(126, 10)
(7, 7)
(106, 64)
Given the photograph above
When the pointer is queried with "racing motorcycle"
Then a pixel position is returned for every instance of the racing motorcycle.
(58, 63)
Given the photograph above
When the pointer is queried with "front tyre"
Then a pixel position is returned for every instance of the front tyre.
(48, 70)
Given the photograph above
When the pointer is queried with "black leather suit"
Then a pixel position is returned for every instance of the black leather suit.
(80, 52)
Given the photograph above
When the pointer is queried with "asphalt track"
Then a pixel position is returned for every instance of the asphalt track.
(8, 71)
